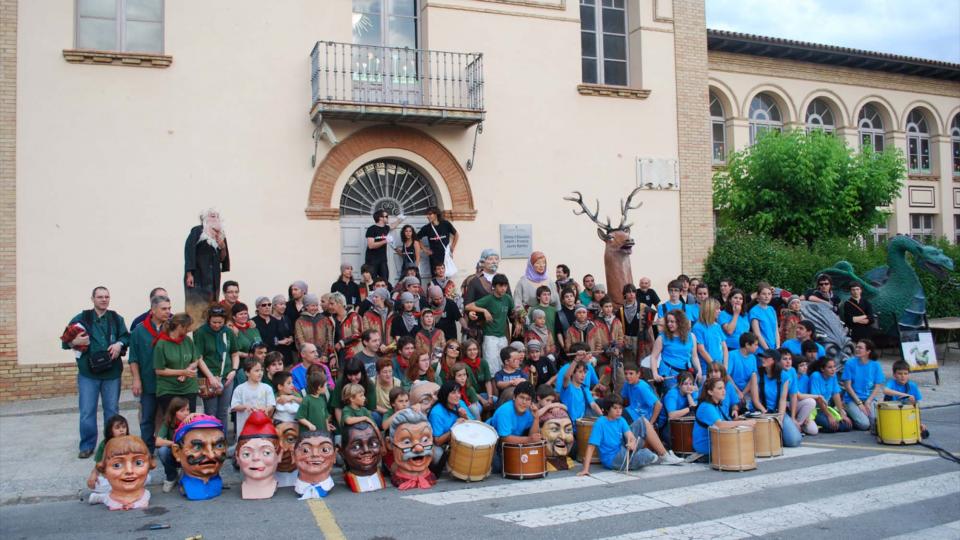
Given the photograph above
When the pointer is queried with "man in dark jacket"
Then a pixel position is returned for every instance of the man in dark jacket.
(346, 286)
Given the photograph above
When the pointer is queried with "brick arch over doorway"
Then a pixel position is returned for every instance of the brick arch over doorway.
(320, 203)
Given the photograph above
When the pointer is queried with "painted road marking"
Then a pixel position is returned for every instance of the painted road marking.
(569, 513)
(878, 448)
(766, 522)
(325, 520)
(947, 531)
(518, 488)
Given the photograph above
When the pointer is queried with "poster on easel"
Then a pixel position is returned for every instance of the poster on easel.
(918, 350)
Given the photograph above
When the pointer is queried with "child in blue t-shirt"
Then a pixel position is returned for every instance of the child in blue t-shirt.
(763, 319)
(742, 367)
(575, 395)
(640, 400)
(901, 387)
(681, 400)
(731, 404)
(826, 389)
(622, 446)
(692, 311)
(710, 412)
(863, 383)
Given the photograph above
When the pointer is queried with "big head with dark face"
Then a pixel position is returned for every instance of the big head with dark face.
(362, 449)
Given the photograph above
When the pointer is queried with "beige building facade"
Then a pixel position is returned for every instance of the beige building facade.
(122, 120)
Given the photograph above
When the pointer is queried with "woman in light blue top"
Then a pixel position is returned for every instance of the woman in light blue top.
(774, 389)
(733, 319)
(711, 343)
(674, 350)
(763, 319)
(826, 390)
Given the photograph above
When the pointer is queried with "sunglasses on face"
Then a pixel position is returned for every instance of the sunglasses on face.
(266, 305)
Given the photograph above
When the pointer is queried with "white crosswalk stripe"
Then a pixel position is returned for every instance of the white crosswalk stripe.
(531, 487)
(569, 513)
(947, 531)
(847, 505)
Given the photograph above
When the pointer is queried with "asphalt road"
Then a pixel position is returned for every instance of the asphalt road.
(835, 486)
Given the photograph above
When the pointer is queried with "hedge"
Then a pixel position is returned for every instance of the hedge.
(750, 258)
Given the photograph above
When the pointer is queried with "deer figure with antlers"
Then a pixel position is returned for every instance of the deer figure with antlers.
(619, 244)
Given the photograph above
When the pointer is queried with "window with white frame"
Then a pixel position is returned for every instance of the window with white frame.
(603, 41)
(921, 227)
(955, 143)
(120, 25)
(870, 125)
(880, 233)
(718, 129)
(764, 116)
(819, 116)
(918, 143)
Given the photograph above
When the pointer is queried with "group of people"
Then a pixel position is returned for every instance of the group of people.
(552, 348)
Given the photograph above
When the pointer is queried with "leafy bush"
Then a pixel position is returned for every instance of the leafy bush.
(750, 258)
(798, 187)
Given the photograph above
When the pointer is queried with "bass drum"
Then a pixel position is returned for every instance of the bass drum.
(472, 445)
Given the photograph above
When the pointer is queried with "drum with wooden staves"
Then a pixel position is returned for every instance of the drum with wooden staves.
(681, 435)
(525, 461)
(472, 445)
(898, 422)
(768, 436)
(732, 449)
(584, 429)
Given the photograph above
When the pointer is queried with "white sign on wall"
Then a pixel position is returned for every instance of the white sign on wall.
(657, 173)
(516, 241)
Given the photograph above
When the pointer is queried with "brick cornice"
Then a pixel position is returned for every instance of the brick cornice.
(320, 203)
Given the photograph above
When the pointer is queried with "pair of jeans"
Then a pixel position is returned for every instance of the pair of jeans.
(641, 457)
(90, 393)
(219, 406)
(824, 424)
(148, 419)
(491, 351)
(861, 421)
(791, 432)
(170, 465)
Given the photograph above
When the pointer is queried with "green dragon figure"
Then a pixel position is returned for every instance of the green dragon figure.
(894, 289)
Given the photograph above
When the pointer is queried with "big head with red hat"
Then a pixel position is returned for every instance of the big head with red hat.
(258, 454)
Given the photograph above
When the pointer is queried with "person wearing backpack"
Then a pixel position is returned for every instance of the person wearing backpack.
(99, 338)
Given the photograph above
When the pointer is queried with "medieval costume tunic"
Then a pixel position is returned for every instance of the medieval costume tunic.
(202, 258)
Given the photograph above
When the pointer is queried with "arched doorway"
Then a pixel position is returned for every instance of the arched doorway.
(383, 184)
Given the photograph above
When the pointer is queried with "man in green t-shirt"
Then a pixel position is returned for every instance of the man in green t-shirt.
(496, 309)
(141, 365)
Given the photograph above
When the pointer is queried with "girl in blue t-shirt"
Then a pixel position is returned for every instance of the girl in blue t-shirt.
(711, 343)
(734, 319)
(710, 412)
(763, 319)
(774, 391)
(731, 403)
(674, 350)
(826, 390)
(801, 403)
(682, 399)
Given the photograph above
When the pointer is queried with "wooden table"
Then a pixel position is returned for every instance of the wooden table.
(949, 325)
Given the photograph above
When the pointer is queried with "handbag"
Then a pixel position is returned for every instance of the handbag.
(205, 390)
(100, 361)
(450, 268)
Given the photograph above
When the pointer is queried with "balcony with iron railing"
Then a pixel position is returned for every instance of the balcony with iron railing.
(375, 83)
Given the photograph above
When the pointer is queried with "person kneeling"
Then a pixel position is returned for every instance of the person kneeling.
(620, 446)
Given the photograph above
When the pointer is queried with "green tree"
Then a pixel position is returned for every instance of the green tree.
(799, 187)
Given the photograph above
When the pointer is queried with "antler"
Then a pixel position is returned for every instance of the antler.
(626, 207)
(586, 211)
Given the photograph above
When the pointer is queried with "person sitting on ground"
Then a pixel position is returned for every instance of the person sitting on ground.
(115, 426)
(774, 392)
(731, 403)
(514, 422)
(511, 375)
(805, 333)
(863, 382)
(619, 444)
(710, 412)
(681, 400)
(575, 395)
(448, 411)
(543, 366)
(177, 412)
(824, 385)
(801, 404)
(579, 352)
(640, 399)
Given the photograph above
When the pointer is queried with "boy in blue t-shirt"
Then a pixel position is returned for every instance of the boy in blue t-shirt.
(575, 395)
(622, 446)
(742, 368)
(516, 421)
(805, 331)
(901, 387)
(692, 311)
(582, 354)
(640, 400)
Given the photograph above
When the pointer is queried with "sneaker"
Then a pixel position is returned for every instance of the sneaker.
(84, 454)
(670, 459)
(168, 485)
(693, 457)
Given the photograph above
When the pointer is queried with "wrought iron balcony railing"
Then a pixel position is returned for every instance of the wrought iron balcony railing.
(366, 82)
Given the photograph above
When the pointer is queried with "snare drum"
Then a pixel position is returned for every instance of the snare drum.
(584, 429)
(525, 461)
(768, 436)
(732, 449)
(898, 422)
(472, 445)
(681, 435)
